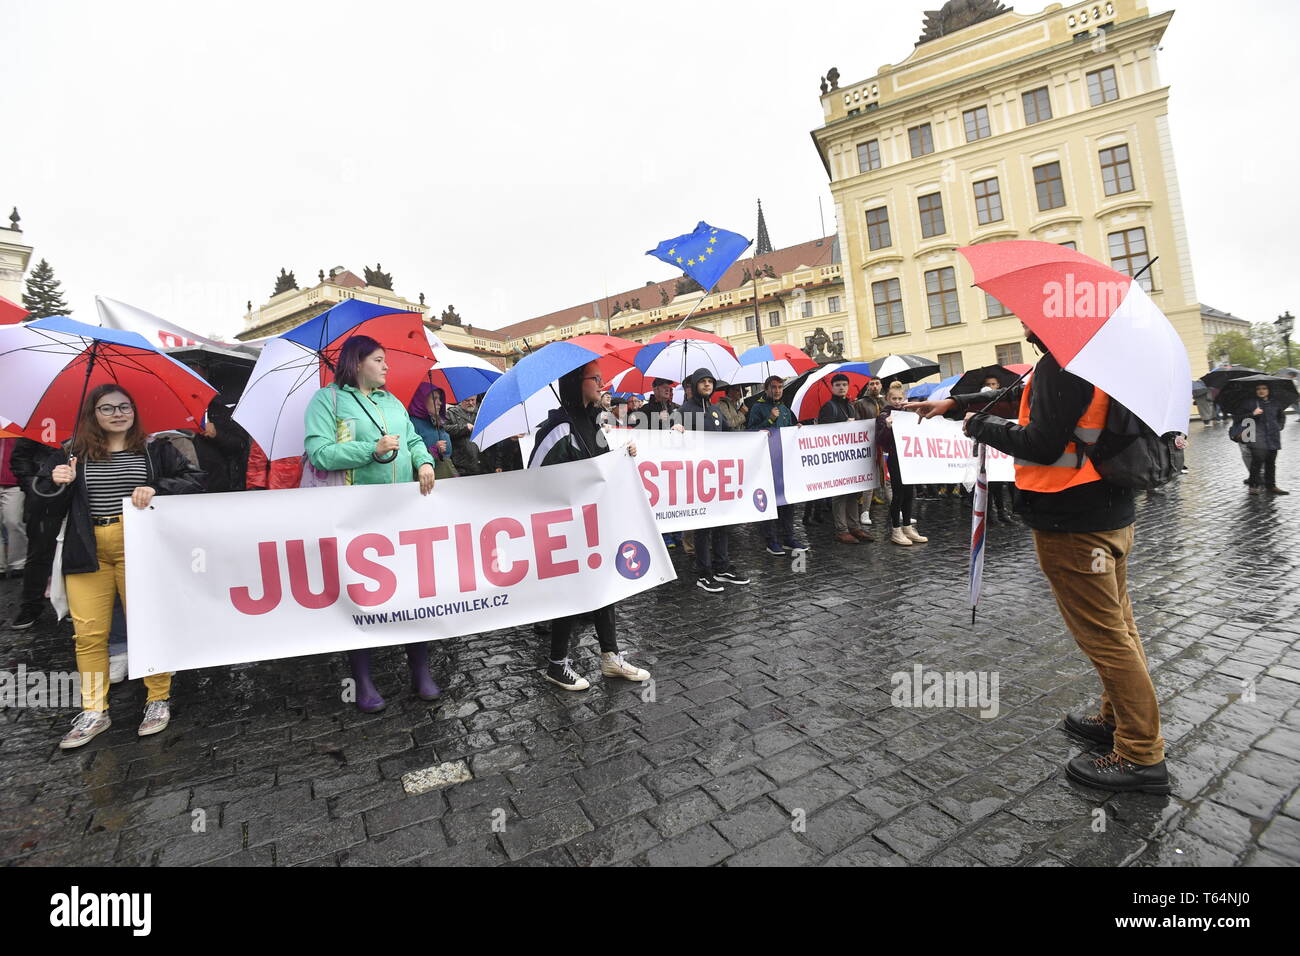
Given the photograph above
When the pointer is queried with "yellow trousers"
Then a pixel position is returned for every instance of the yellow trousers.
(90, 602)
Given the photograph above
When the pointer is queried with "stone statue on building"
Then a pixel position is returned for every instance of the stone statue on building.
(422, 298)
(321, 275)
(14, 219)
(449, 316)
(825, 86)
(821, 348)
(284, 282)
(686, 284)
(957, 15)
(664, 295)
(248, 306)
(378, 278)
(833, 78)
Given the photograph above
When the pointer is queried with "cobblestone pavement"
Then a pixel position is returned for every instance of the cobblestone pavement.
(771, 738)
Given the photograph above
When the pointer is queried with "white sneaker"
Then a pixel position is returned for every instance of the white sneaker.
(559, 672)
(915, 535)
(614, 665)
(898, 536)
(86, 726)
(865, 517)
(157, 715)
(117, 668)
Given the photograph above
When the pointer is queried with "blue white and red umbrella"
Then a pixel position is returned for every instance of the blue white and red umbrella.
(934, 390)
(48, 366)
(677, 354)
(761, 362)
(293, 366)
(903, 368)
(816, 388)
(519, 401)
(459, 374)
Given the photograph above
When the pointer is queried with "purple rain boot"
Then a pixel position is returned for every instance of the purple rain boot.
(368, 699)
(417, 656)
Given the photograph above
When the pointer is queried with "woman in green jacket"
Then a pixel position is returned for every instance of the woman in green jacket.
(356, 427)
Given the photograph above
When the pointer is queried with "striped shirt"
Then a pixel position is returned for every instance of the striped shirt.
(108, 482)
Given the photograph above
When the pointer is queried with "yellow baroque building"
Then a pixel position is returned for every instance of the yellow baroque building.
(1051, 126)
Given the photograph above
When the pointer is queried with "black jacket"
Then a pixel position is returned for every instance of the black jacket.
(26, 463)
(836, 410)
(1056, 402)
(170, 473)
(700, 414)
(568, 436)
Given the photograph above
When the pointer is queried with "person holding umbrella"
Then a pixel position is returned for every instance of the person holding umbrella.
(1257, 424)
(105, 461)
(572, 433)
(1083, 523)
(844, 508)
(713, 567)
(355, 427)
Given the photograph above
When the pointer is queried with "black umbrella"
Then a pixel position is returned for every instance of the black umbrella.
(1288, 372)
(973, 381)
(1239, 391)
(1199, 388)
(1216, 377)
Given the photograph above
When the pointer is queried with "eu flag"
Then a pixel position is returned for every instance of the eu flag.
(704, 254)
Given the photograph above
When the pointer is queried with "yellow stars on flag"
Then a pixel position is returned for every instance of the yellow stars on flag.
(690, 262)
(679, 260)
(713, 239)
(673, 252)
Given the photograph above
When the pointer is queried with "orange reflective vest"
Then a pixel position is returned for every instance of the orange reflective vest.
(1073, 467)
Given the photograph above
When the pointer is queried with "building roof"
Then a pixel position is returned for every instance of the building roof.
(347, 278)
(1214, 313)
(816, 252)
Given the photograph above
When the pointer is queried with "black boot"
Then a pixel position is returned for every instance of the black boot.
(1113, 772)
(1090, 728)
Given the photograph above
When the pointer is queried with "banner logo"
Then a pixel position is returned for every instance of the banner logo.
(633, 559)
(760, 500)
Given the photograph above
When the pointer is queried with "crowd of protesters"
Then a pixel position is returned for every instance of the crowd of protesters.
(359, 433)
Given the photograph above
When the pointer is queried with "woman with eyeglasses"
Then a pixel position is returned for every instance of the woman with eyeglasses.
(356, 427)
(572, 432)
(107, 460)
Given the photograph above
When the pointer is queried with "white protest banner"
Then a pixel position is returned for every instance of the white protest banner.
(229, 578)
(936, 452)
(820, 461)
(705, 479)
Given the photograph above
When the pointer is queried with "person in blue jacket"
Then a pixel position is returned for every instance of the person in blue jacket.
(770, 412)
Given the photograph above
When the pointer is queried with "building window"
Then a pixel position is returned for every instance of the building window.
(950, 364)
(773, 319)
(941, 295)
(878, 236)
(1038, 106)
(749, 323)
(1048, 185)
(868, 156)
(988, 201)
(995, 308)
(1009, 354)
(838, 339)
(833, 303)
(1116, 170)
(888, 299)
(1128, 254)
(931, 209)
(1069, 245)
(921, 139)
(807, 308)
(1102, 87)
(977, 123)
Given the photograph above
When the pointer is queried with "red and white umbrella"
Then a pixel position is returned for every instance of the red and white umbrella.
(761, 362)
(675, 355)
(1097, 323)
(816, 388)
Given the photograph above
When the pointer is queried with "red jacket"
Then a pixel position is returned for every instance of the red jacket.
(263, 474)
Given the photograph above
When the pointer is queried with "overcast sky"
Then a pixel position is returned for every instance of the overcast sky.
(515, 159)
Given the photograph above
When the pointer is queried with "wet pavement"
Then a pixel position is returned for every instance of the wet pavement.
(769, 736)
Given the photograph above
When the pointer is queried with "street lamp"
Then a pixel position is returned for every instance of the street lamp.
(1285, 324)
